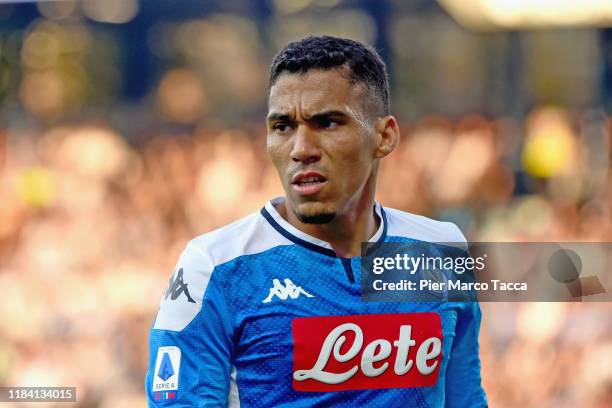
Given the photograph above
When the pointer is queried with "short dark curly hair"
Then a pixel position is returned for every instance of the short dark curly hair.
(327, 52)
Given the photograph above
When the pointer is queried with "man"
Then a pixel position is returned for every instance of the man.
(267, 311)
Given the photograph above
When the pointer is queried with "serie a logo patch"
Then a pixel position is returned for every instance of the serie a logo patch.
(166, 377)
(334, 353)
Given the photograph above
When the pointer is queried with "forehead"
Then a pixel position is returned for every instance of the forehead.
(314, 90)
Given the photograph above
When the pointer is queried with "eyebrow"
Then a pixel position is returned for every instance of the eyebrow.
(281, 117)
(285, 117)
(327, 114)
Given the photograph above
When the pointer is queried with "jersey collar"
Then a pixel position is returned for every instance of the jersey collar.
(301, 238)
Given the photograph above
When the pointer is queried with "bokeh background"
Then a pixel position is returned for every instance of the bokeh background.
(127, 128)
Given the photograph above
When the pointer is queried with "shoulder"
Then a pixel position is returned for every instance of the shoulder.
(418, 227)
(191, 277)
(247, 236)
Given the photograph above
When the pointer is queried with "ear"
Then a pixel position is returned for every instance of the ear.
(388, 134)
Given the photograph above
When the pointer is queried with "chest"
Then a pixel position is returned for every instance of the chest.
(305, 319)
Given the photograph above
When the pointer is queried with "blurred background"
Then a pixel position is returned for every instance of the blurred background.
(127, 128)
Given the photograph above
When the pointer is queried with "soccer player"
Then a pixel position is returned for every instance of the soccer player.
(267, 312)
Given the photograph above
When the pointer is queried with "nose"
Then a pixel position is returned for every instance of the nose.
(305, 148)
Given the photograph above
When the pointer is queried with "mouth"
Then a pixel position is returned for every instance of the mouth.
(308, 183)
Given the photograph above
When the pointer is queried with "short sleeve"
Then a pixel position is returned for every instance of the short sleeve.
(190, 343)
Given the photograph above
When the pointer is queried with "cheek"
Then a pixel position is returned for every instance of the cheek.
(357, 144)
(276, 152)
(356, 166)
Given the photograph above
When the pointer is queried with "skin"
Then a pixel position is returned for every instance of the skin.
(319, 121)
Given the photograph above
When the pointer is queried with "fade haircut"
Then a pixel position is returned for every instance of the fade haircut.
(325, 52)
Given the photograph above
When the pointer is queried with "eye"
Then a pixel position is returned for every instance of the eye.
(327, 123)
(281, 127)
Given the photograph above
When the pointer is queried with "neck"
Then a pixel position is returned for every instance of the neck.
(352, 226)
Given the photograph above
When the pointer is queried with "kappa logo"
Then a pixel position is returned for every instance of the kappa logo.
(290, 290)
(176, 287)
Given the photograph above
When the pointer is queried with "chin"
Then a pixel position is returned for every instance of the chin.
(314, 213)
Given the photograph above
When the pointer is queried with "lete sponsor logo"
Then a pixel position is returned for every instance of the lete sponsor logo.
(334, 353)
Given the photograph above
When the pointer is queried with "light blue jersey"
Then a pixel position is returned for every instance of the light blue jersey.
(260, 314)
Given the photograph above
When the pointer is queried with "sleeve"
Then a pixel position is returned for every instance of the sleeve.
(463, 382)
(190, 344)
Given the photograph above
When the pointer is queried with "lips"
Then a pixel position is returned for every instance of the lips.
(308, 183)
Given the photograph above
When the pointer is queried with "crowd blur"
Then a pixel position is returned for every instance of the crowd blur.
(91, 228)
(99, 194)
